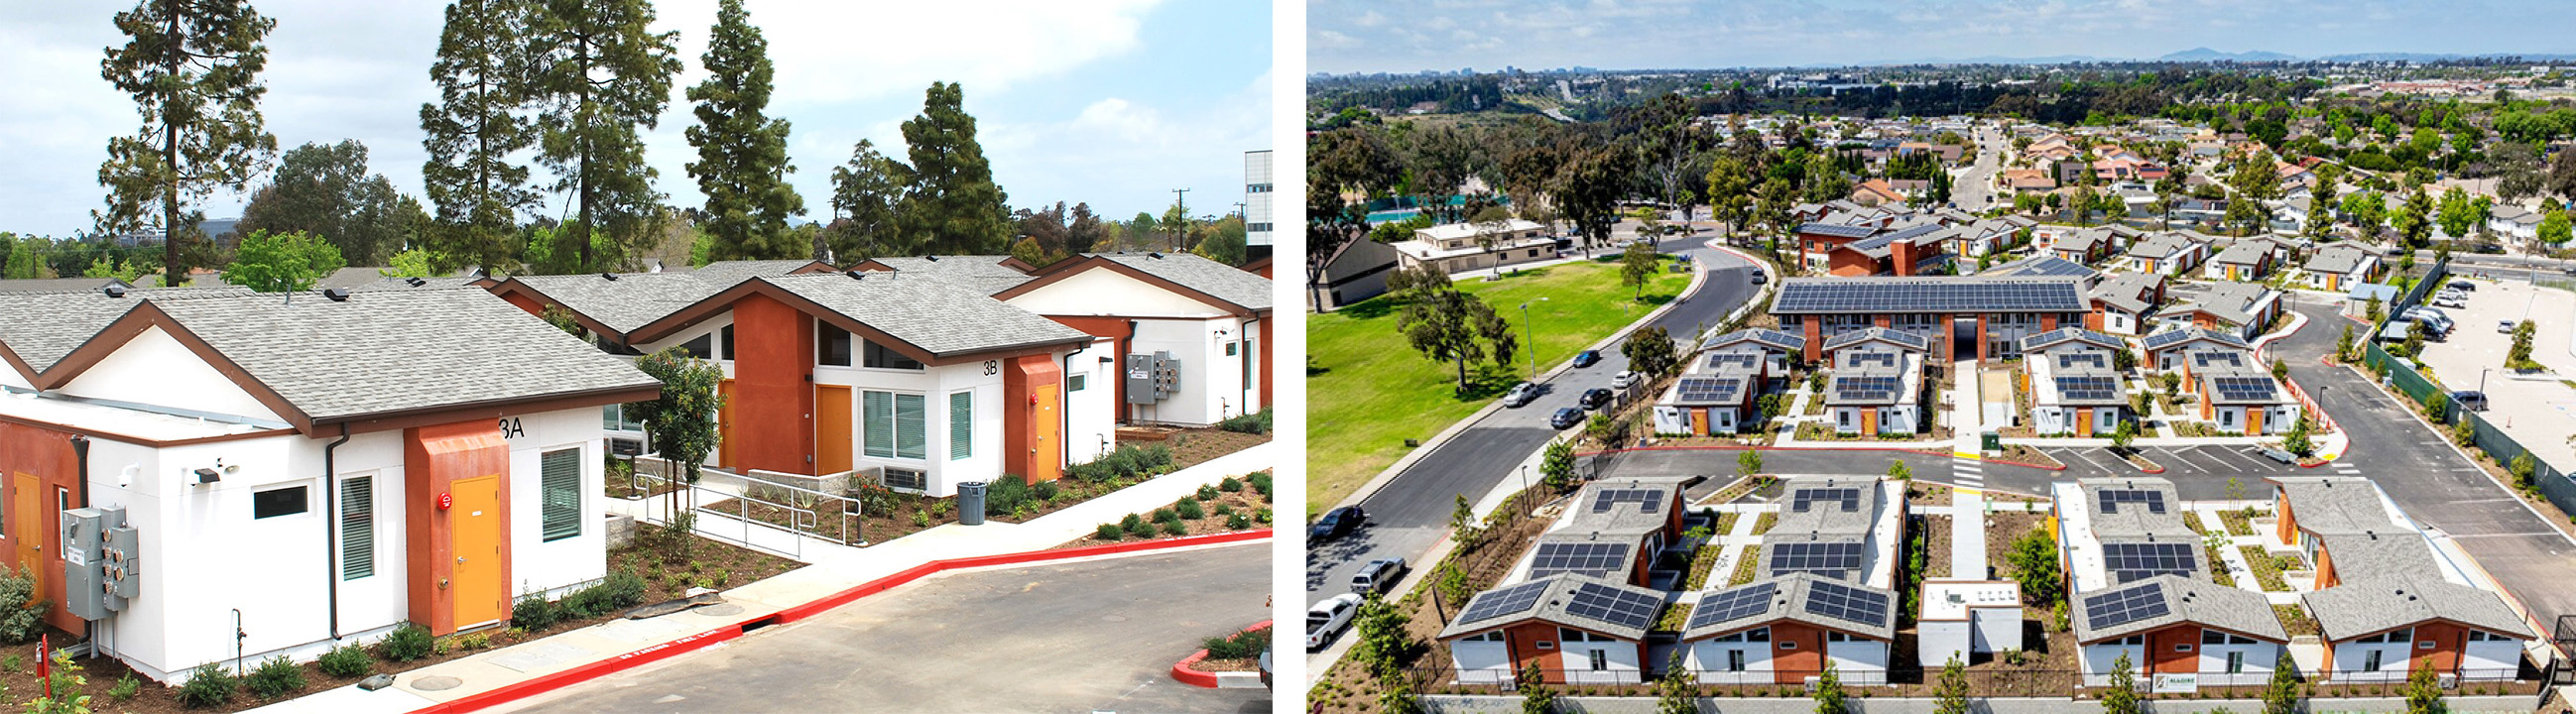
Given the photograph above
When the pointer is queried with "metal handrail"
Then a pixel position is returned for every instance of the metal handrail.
(803, 521)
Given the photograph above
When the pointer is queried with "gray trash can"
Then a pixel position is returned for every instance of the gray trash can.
(970, 503)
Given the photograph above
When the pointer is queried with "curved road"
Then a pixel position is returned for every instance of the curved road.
(1410, 512)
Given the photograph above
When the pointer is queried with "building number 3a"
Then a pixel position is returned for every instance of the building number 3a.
(992, 367)
(510, 428)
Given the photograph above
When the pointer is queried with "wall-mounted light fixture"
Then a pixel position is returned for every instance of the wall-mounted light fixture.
(206, 476)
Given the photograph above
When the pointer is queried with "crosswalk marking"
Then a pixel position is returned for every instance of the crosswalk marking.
(1968, 472)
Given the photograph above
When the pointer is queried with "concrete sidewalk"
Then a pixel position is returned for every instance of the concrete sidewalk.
(832, 571)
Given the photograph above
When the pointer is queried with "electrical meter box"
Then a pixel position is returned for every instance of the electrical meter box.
(1167, 376)
(1152, 378)
(84, 556)
(124, 567)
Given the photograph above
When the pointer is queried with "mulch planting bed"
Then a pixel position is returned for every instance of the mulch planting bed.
(1221, 511)
(1191, 447)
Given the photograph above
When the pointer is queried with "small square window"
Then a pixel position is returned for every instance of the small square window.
(279, 502)
(1077, 382)
(1229, 348)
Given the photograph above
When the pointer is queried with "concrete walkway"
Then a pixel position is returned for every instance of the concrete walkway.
(831, 572)
(1967, 410)
(1967, 533)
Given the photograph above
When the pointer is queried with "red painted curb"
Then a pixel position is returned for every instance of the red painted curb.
(557, 680)
(2024, 464)
(1181, 670)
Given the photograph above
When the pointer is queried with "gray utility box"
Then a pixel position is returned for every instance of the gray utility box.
(1152, 378)
(85, 585)
(124, 566)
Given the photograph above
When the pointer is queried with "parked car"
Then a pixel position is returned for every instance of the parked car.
(1596, 398)
(1336, 523)
(2450, 300)
(2278, 455)
(1623, 379)
(2431, 318)
(1565, 418)
(2470, 399)
(1328, 619)
(1378, 576)
(1520, 395)
(1586, 358)
(1759, 276)
(2462, 286)
(2504, 326)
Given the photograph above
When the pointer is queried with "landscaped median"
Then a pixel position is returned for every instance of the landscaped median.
(1371, 391)
(1229, 662)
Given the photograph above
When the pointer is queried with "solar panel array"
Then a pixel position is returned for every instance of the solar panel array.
(1865, 388)
(2244, 389)
(1833, 560)
(1836, 229)
(2132, 562)
(2168, 338)
(1775, 337)
(1930, 295)
(2068, 360)
(1847, 603)
(1595, 559)
(1648, 500)
(2111, 498)
(1899, 337)
(1704, 390)
(1614, 605)
(2121, 607)
(1806, 498)
(1866, 359)
(1733, 604)
(2087, 387)
(2207, 358)
(1512, 600)
(1743, 359)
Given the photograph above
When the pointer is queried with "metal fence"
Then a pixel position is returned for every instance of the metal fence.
(770, 517)
(1911, 682)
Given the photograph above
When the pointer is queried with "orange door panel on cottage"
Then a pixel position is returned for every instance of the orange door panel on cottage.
(831, 428)
(482, 590)
(29, 510)
(1044, 463)
(724, 425)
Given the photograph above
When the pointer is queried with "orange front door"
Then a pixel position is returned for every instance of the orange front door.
(1699, 421)
(724, 426)
(831, 428)
(482, 590)
(29, 510)
(1046, 427)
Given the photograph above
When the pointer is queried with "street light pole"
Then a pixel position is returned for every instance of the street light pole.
(1532, 330)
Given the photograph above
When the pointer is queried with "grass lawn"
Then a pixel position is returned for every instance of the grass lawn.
(1368, 391)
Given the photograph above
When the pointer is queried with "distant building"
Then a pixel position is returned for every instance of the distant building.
(1257, 214)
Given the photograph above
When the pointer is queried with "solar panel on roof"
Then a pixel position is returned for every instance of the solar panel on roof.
(1733, 604)
(2244, 389)
(2111, 498)
(1511, 600)
(2214, 357)
(1833, 560)
(2121, 607)
(2132, 562)
(1614, 605)
(1648, 500)
(2094, 388)
(2071, 359)
(1806, 498)
(1865, 388)
(1594, 559)
(1847, 603)
(1702, 390)
(1921, 295)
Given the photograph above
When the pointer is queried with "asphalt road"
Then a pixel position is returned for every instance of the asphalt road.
(1096, 636)
(1411, 511)
(1973, 188)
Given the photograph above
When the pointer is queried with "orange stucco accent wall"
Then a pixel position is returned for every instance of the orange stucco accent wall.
(2288, 525)
(434, 458)
(46, 455)
(1027, 448)
(1264, 347)
(2174, 650)
(1121, 330)
(773, 369)
(2448, 640)
(1814, 329)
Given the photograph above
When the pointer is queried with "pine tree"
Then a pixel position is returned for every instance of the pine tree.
(867, 192)
(472, 131)
(953, 207)
(2281, 694)
(742, 161)
(600, 76)
(193, 71)
(1950, 695)
(2122, 696)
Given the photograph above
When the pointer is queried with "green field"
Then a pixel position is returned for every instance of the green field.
(1368, 391)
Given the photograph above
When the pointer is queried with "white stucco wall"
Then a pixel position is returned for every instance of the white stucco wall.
(154, 368)
(1709, 658)
(1481, 662)
(1214, 385)
(2350, 656)
(1619, 660)
(1091, 413)
(1859, 662)
(2259, 658)
(934, 384)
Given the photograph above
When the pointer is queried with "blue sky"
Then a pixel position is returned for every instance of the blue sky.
(1114, 102)
(1413, 35)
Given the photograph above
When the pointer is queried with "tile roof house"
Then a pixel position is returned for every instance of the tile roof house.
(2386, 603)
(242, 407)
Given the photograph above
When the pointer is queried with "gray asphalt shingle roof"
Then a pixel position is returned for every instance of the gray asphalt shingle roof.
(2136, 520)
(982, 273)
(57, 285)
(628, 302)
(43, 328)
(933, 315)
(1553, 605)
(2237, 610)
(2338, 259)
(1218, 280)
(1788, 601)
(2357, 609)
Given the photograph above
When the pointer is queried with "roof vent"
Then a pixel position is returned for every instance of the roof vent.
(853, 273)
(336, 294)
(1156, 256)
(415, 282)
(115, 291)
(931, 258)
(612, 277)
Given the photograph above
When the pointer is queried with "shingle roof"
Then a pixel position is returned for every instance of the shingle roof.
(981, 273)
(629, 301)
(2207, 604)
(2041, 266)
(725, 273)
(930, 314)
(2128, 291)
(2335, 504)
(1593, 511)
(2044, 340)
(1774, 339)
(1218, 280)
(43, 328)
(2135, 520)
(1790, 598)
(58, 285)
(2357, 609)
(2245, 252)
(2163, 245)
(370, 355)
(2170, 338)
(2338, 259)
(1554, 605)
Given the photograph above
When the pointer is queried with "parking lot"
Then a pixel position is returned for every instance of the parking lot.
(2538, 410)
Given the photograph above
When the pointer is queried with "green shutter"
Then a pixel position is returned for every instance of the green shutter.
(357, 527)
(911, 416)
(961, 425)
(560, 484)
(878, 409)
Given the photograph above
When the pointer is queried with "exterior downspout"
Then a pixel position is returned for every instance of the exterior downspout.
(80, 453)
(1064, 415)
(1126, 343)
(1243, 339)
(330, 523)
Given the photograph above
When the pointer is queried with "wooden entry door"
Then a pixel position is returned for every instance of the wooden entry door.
(832, 433)
(1046, 428)
(482, 590)
(30, 510)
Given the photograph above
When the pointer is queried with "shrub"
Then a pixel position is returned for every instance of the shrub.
(1254, 423)
(1135, 525)
(1237, 522)
(1205, 493)
(1007, 494)
(276, 677)
(1046, 491)
(127, 686)
(1110, 532)
(1165, 515)
(211, 686)
(1240, 645)
(1230, 484)
(1261, 482)
(536, 612)
(21, 612)
(1174, 528)
(1189, 508)
(1262, 515)
(407, 643)
(346, 661)
(622, 589)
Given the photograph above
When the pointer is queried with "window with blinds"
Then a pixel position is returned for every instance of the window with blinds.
(559, 484)
(961, 425)
(357, 527)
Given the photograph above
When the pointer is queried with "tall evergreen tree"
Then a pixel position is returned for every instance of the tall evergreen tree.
(193, 71)
(472, 131)
(866, 193)
(601, 75)
(742, 162)
(326, 191)
(953, 206)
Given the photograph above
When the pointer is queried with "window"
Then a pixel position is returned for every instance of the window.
(880, 357)
(1573, 635)
(906, 479)
(1837, 637)
(894, 425)
(698, 348)
(1843, 417)
(2390, 636)
(2236, 662)
(357, 527)
(279, 502)
(1735, 660)
(728, 342)
(1600, 660)
(2370, 662)
(559, 481)
(2214, 637)
(831, 346)
(1229, 349)
(616, 417)
(961, 425)
(2485, 636)
(1075, 383)
(1494, 636)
